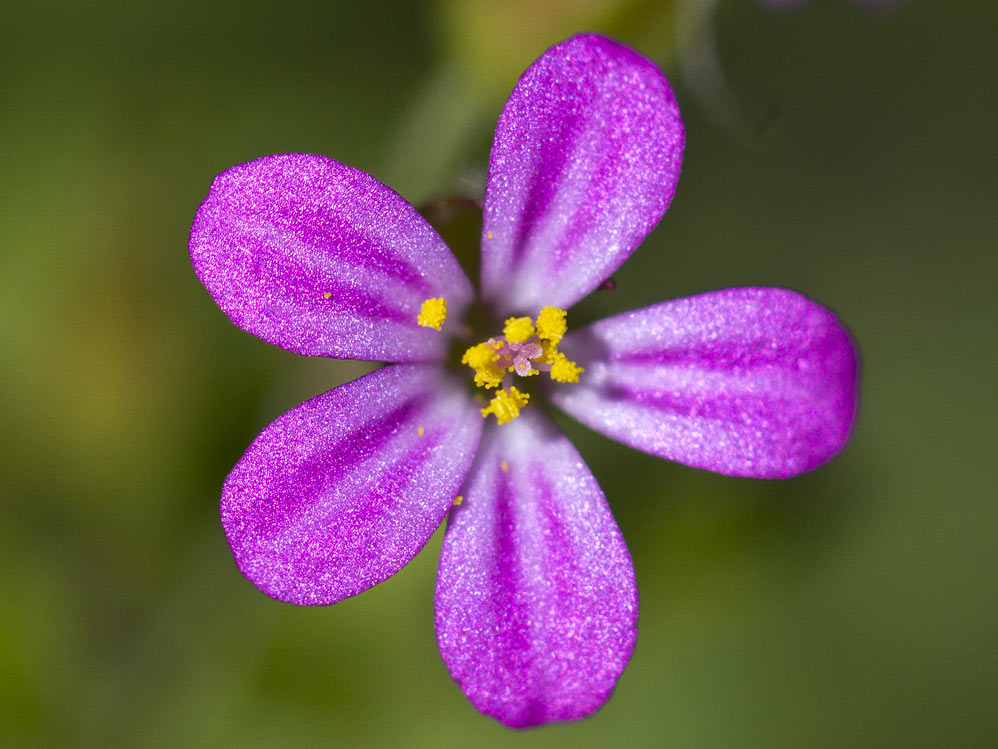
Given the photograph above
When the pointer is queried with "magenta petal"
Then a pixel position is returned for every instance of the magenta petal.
(585, 161)
(536, 604)
(747, 382)
(343, 490)
(322, 259)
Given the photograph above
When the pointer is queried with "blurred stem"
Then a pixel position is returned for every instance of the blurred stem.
(432, 139)
(701, 70)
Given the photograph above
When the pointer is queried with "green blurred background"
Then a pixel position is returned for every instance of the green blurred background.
(847, 154)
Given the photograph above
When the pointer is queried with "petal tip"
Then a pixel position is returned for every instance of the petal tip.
(585, 162)
(752, 382)
(322, 259)
(536, 604)
(342, 491)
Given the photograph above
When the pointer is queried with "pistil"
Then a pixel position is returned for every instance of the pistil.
(526, 348)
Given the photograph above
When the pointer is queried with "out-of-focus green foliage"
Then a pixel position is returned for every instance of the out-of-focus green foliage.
(494, 42)
(855, 606)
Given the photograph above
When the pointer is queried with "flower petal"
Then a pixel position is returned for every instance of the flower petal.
(536, 603)
(343, 490)
(585, 161)
(747, 382)
(322, 259)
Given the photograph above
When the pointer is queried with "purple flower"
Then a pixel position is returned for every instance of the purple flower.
(536, 604)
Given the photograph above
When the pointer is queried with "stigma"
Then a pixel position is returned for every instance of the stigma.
(526, 348)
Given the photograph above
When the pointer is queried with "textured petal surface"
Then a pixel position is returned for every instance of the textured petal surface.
(748, 382)
(343, 490)
(536, 604)
(322, 259)
(585, 161)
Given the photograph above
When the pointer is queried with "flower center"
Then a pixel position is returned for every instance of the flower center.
(526, 348)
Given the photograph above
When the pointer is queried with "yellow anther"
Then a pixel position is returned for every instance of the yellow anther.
(481, 358)
(327, 295)
(421, 431)
(504, 466)
(506, 405)
(488, 380)
(549, 352)
(525, 349)
(458, 500)
(551, 324)
(433, 313)
(563, 370)
(518, 329)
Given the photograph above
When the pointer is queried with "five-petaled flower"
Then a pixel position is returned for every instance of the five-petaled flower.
(536, 604)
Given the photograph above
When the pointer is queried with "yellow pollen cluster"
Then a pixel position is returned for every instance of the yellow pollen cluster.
(506, 405)
(433, 313)
(518, 329)
(549, 352)
(526, 348)
(482, 358)
(551, 324)
(563, 370)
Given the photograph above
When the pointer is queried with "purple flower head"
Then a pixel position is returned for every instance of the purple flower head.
(536, 603)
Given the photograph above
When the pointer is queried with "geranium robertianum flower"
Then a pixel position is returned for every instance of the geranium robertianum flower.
(536, 605)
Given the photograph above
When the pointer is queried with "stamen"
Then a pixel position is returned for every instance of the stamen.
(433, 313)
(525, 349)
(482, 358)
(551, 324)
(549, 352)
(518, 329)
(506, 405)
(563, 370)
